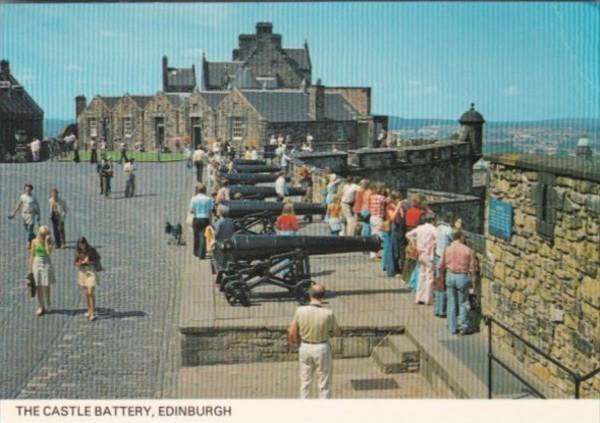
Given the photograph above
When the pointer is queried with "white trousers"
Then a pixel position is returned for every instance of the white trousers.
(350, 218)
(315, 360)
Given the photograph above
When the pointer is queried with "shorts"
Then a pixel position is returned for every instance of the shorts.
(88, 278)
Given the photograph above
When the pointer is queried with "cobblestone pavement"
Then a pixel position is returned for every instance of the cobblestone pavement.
(130, 351)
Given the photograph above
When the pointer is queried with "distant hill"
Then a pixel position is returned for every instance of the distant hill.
(53, 126)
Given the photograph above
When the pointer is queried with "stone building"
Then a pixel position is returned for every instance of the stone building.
(264, 90)
(21, 119)
(541, 276)
(259, 61)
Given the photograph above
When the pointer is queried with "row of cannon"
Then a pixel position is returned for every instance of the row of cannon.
(254, 255)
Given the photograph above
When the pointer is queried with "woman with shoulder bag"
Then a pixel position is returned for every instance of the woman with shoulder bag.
(41, 267)
(87, 261)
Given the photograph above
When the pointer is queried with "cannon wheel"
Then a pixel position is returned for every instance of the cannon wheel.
(301, 290)
(237, 291)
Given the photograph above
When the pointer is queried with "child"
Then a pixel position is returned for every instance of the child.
(334, 215)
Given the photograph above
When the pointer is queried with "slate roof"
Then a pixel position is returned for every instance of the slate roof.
(110, 101)
(180, 79)
(244, 79)
(17, 102)
(292, 106)
(217, 73)
(300, 56)
(213, 98)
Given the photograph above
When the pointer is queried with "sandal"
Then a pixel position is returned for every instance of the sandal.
(40, 311)
(92, 317)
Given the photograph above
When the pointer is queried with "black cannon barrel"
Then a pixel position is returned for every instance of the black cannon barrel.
(236, 209)
(255, 168)
(251, 191)
(249, 162)
(248, 178)
(255, 247)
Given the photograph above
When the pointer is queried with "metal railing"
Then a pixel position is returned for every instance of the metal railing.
(576, 377)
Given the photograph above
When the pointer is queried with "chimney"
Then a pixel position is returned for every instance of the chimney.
(316, 101)
(80, 104)
(4, 67)
(264, 28)
(165, 72)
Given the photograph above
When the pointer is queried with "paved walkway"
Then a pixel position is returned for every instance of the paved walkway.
(362, 297)
(131, 350)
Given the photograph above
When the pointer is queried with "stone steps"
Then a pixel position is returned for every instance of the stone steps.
(396, 356)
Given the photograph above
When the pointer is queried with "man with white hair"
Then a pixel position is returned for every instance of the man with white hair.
(348, 196)
(312, 326)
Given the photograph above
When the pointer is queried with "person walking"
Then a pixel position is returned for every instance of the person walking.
(58, 213)
(41, 267)
(198, 158)
(87, 262)
(129, 170)
(312, 326)
(123, 151)
(106, 174)
(425, 238)
(444, 238)
(393, 217)
(201, 207)
(93, 152)
(412, 219)
(458, 262)
(376, 205)
(75, 148)
(36, 146)
(30, 212)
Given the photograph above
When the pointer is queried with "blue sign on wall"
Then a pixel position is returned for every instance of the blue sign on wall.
(500, 219)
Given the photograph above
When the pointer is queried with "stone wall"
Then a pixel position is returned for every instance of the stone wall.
(547, 290)
(95, 110)
(325, 134)
(467, 207)
(126, 107)
(254, 125)
(225, 346)
(358, 97)
(443, 166)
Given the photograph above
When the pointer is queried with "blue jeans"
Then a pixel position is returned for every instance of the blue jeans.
(457, 287)
(439, 308)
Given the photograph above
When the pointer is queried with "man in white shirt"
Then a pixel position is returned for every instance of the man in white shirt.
(425, 236)
(129, 170)
(273, 140)
(348, 196)
(198, 159)
(254, 153)
(281, 187)
(30, 210)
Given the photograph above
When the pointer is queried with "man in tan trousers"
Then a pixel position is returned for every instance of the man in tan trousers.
(314, 324)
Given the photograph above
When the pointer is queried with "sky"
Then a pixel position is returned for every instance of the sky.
(515, 61)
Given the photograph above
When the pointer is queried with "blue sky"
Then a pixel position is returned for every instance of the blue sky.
(516, 61)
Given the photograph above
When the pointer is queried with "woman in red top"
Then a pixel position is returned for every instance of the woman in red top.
(412, 217)
(287, 222)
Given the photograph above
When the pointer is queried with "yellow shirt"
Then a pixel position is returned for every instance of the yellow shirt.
(315, 323)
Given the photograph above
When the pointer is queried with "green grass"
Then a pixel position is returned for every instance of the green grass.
(84, 156)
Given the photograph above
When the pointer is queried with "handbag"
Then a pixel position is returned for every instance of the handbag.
(30, 284)
(189, 219)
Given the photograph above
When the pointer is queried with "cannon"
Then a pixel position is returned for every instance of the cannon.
(250, 192)
(237, 162)
(255, 168)
(249, 215)
(249, 261)
(248, 178)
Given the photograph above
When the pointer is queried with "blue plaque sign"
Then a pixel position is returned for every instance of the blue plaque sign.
(500, 219)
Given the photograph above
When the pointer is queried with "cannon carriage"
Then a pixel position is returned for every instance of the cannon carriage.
(246, 262)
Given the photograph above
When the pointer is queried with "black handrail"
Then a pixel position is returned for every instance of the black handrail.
(577, 378)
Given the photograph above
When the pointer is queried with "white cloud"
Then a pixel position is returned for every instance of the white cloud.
(72, 67)
(512, 91)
